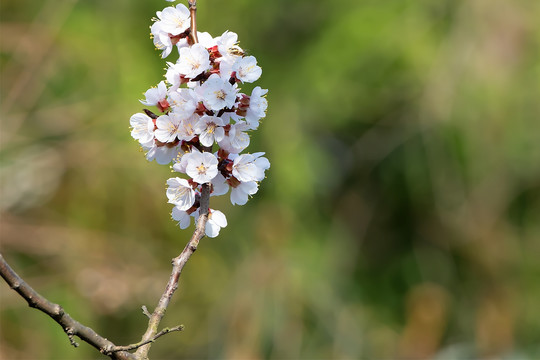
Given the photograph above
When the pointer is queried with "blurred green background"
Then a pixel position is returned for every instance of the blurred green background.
(399, 219)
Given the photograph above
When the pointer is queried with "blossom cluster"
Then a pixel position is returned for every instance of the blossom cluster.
(200, 118)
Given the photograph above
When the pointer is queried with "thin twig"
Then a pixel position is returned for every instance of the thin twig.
(71, 326)
(111, 350)
(193, 25)
(178, 264)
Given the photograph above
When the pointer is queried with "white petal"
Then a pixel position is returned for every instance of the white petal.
(238, 196)
(143, 128)
(219, 218)
(206, 138)
(180, 193)
(219, 133)
(182, 217)
(220, 186)
(211, 229)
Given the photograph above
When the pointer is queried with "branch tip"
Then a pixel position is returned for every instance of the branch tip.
(145, 311)
(109, 350)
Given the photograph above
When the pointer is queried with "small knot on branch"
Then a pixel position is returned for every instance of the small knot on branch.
(71, 335)
(58, 311)
(15, 285)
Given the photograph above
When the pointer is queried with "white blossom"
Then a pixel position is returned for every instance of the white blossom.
(155, 95)
(218, 93)
(257, 107)
(193, 61)
(250, 167)
(247, 69)
(236, 140)
(219, 185)
(173, 76)
(183, 218)
(187, 129)
(168, 127)
(201, 167)
(209, 129)
(180, 193)
(227, 44)
(162, 154)
(174, 20)
(183, 102)
(240, 194)
(216, 221)
(143, 128)
(206, 40)
(162, 40)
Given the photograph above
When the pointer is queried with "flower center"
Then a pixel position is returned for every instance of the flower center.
(179, 22)
(172, 128)
(195, 65)
(220, 95)
(202, 169)
(189, 129)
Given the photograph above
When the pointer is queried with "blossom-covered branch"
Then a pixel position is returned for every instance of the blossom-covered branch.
(200, 124)
(201, 118)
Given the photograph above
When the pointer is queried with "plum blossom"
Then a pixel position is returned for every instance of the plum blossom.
(219, 185)
(168, 127)
(183, 102)
(156, 96)
(163, 155)
(235, 139)
(174, 20)
(216, 221)
(193, 61)
(227, 44)
(247, 70)
(143, 128)
(187, 128)
(180, 193)
(173, 76)
(201, 167)
(206, 40)
(210, 130)
(257, 107)
(250, 167)
(240, 193)
(162, 40)
(218, 93)
(183, 218)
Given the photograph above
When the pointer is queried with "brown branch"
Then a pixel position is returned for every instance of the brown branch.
(71, 326)
(178, 264)
(193, 25)
(109, 351)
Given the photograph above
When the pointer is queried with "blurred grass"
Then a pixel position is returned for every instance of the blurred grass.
(399, 218)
